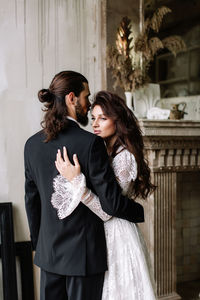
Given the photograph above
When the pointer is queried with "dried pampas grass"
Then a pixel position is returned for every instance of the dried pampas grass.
(156, 21)
(174, 44)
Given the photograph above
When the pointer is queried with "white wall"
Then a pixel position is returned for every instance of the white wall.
(37, 40)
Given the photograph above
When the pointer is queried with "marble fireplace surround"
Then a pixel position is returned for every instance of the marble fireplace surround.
(171, 147)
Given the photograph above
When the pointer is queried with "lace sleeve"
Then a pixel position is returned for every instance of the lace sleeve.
(125, 169)
(67, 195)
(62, 199)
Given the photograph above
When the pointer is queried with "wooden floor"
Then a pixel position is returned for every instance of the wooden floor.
(189, 290)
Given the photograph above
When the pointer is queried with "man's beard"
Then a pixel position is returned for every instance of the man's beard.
(82, 118)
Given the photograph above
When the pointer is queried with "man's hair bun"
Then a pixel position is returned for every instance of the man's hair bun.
(45, 95)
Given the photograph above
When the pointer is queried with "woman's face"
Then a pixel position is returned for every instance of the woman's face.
(102, 125)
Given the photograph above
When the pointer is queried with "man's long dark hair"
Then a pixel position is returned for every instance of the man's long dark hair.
(129, 135)
(55, 118)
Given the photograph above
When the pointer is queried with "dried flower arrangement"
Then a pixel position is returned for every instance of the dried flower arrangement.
(125, 71)
(130, 61)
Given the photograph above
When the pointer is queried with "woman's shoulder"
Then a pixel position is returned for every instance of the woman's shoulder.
(124, 164)
(123, 153)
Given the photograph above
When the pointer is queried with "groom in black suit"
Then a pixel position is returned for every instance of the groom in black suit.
(70, 252)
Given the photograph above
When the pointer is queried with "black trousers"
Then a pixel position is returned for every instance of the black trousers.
(60, 287)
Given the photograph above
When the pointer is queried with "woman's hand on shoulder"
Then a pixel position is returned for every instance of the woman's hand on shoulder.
(65, 167)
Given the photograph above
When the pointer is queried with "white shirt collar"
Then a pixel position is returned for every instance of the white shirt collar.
(72, 119)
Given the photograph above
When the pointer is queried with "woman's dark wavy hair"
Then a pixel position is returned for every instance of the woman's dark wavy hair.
(129, 135)
(55, 118)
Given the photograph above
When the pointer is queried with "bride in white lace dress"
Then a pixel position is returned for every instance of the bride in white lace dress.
(128, 276)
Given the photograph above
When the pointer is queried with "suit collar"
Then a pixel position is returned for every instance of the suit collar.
(73, 122)
(72, 119)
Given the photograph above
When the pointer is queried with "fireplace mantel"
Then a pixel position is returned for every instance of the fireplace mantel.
(171, 147)
(170, 127)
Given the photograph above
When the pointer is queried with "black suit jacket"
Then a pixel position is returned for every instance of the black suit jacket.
(75, 245)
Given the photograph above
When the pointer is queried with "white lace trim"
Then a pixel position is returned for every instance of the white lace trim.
(62, 199)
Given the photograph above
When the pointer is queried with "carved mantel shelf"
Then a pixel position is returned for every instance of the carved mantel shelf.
(170, 127)
(171, 147)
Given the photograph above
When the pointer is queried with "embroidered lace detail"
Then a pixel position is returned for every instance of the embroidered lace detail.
(62, 198)
(128, 276)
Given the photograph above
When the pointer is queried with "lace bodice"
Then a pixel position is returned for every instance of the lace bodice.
(67, 195)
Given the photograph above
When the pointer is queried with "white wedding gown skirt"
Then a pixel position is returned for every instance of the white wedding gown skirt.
(128, 277)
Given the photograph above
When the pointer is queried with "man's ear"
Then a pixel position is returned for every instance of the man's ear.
(70, 99)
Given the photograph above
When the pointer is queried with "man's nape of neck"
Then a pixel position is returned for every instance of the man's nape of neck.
(72, 114)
